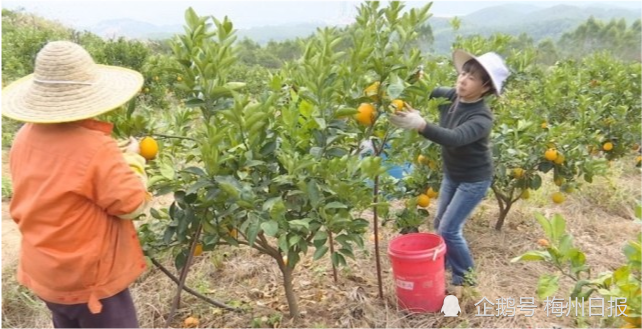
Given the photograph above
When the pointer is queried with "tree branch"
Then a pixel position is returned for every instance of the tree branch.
(189, 290)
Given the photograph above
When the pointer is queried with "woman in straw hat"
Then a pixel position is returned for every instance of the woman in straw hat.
(463, 133)
(74, 191)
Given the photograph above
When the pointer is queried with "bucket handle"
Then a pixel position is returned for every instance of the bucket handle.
(434, 255)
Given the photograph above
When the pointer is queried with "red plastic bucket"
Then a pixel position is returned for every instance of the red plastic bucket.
(418, 269)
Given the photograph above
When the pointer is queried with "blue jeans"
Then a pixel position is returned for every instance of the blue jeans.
(456, 202)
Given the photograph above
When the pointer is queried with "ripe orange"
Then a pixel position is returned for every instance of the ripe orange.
(191, 322)
(550, 154)
(558, 197)
(198, 250)
(423, 200)
(559, 181)
(518, 173)
(366, 115)
(607, 146)
(560, 158)
(397, 105)
(431, 193)
(422, 159)
(148, 148)
(526, 194)
(543, 242)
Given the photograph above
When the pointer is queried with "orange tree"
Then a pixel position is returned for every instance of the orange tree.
(277, 172)
(253, 172)
(382, 69)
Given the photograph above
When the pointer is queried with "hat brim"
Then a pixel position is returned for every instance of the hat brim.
(460, 58)
(30, 101)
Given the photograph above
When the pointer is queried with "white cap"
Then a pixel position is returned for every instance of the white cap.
(491, 62)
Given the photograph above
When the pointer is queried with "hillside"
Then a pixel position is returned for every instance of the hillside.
(510, 18)
(514, 19)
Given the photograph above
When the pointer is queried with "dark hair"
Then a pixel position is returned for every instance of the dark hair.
(473, 67)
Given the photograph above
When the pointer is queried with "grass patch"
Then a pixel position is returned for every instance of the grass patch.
(7, 189)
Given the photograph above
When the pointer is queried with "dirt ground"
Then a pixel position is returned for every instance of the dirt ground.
(599, 216)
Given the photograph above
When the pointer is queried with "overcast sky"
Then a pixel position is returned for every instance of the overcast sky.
(243, 14)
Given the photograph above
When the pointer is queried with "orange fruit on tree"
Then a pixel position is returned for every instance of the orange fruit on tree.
(544, 125)
(198, 250)
(550, 154)
(422, 159)
(560, 158)
(543, 242)
(148, 148)
(526, 194)
(366, 115)
(558, 197)
(559, 181)
(518, 173)
(431, 193)
(423, 200)
(607, 146)
(397, 105)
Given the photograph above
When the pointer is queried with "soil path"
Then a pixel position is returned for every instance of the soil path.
(10, 237)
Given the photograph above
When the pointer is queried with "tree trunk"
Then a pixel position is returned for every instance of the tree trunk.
(334, 268)
(289, 290)
(183, 277)
(376, 235)
(504, 206)
(502, 216)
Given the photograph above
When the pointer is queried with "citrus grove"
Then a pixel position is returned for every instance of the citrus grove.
(287, 161)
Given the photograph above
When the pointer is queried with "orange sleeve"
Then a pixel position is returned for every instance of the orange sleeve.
(112, 184)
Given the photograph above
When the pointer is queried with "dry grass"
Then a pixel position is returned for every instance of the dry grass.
(598, 216)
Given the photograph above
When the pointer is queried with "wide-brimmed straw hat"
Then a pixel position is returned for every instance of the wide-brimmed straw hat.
(68, 86)
(491, 62)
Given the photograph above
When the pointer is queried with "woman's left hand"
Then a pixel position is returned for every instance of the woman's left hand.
(410, 119)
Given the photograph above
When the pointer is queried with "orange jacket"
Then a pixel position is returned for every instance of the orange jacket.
(70, 183)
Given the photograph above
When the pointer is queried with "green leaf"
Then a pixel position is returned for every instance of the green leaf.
(270, 227)
(335, 205)
(621, 275)
(396, 86)
(253, 228)
(320, 235)
(536, 182)
(558, 225)
(313, 193)
(578, 288)
(566, 243)
(545, 224)
(534, 255)
(545, 166)
(195, 170)
(344, 112)
(167, 171)
(338, 259)
(320, 252)
(547, 285)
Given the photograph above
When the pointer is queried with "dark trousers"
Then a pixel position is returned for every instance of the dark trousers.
(118, 312)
